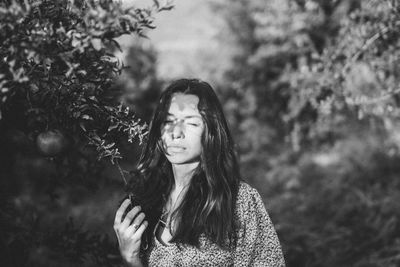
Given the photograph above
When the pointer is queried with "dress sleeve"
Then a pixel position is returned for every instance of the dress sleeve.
(257, 242)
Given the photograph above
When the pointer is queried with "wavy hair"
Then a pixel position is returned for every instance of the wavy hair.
(209, 203)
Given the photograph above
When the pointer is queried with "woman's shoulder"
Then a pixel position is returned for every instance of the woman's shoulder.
(250, 212)
(246, 192)
(256, 241)
(248, 199)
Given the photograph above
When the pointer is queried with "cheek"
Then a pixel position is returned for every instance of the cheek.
(166, 130)
(193, 133)
(198, 140)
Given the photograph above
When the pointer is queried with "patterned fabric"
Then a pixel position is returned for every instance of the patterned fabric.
(257, 242)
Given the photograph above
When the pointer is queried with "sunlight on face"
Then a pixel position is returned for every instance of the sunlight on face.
(182, 130)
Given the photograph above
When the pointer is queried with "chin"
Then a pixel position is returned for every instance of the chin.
(182, 160)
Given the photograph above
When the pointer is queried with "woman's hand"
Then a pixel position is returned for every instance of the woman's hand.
(129, 231)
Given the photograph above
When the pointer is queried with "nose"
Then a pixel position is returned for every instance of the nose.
(178, 130)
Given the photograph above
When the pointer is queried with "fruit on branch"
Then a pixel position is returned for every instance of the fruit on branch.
(52, 142)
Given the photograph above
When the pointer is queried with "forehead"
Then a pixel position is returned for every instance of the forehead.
(184, 104)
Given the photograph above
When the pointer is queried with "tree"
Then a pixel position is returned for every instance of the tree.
(140, 82)
(315, 101)
(57, 69)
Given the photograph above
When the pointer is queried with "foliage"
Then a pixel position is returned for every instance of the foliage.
(57, 64)
(61, 245)
(300, 63)
(57, 74)
(355, 76)
(140, 82)
(338, 207)
(313, 93)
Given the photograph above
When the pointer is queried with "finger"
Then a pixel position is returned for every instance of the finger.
(140, 230)
(129, 216)
(136, 223)
(121, 211)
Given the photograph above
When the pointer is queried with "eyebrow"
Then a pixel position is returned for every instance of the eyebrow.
(186, 117)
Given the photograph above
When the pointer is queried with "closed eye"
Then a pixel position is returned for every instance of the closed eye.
(193, 123)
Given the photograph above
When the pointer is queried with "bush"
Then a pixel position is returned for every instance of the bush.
(341, 209)
(59, 114)
(319, 78)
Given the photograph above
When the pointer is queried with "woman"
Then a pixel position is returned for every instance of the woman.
(191, 207)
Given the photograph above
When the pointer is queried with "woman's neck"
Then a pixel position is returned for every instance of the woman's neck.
(183, 174)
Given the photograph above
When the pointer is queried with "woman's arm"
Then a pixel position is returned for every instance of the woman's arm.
(129, 231)
(257, 241)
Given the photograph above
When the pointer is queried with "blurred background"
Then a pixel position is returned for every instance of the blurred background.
(309, 87)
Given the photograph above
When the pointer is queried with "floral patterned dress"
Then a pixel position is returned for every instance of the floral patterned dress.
(257, 242)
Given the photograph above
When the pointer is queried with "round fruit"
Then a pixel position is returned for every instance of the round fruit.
(51, 143)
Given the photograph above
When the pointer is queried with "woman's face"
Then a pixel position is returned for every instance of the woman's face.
(182, 130)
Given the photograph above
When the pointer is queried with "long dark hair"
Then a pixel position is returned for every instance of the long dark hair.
(209, 203)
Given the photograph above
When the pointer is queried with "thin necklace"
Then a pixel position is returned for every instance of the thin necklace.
(168, 212)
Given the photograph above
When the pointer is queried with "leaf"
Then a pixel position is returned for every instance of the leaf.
(96, 43)
(83, 127)
(87, 117)
(112, 127)
(166, 8)
(117, 45)
(156, 3)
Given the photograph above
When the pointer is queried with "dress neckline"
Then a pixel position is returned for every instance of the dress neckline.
(161, 226)
(163, 244)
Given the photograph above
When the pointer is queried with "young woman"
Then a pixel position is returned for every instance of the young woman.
(190, 206)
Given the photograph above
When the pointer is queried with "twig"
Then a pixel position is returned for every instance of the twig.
(366, 45)
(121, 171)
(373, 100)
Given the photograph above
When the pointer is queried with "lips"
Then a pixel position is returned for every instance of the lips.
(176, 149)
